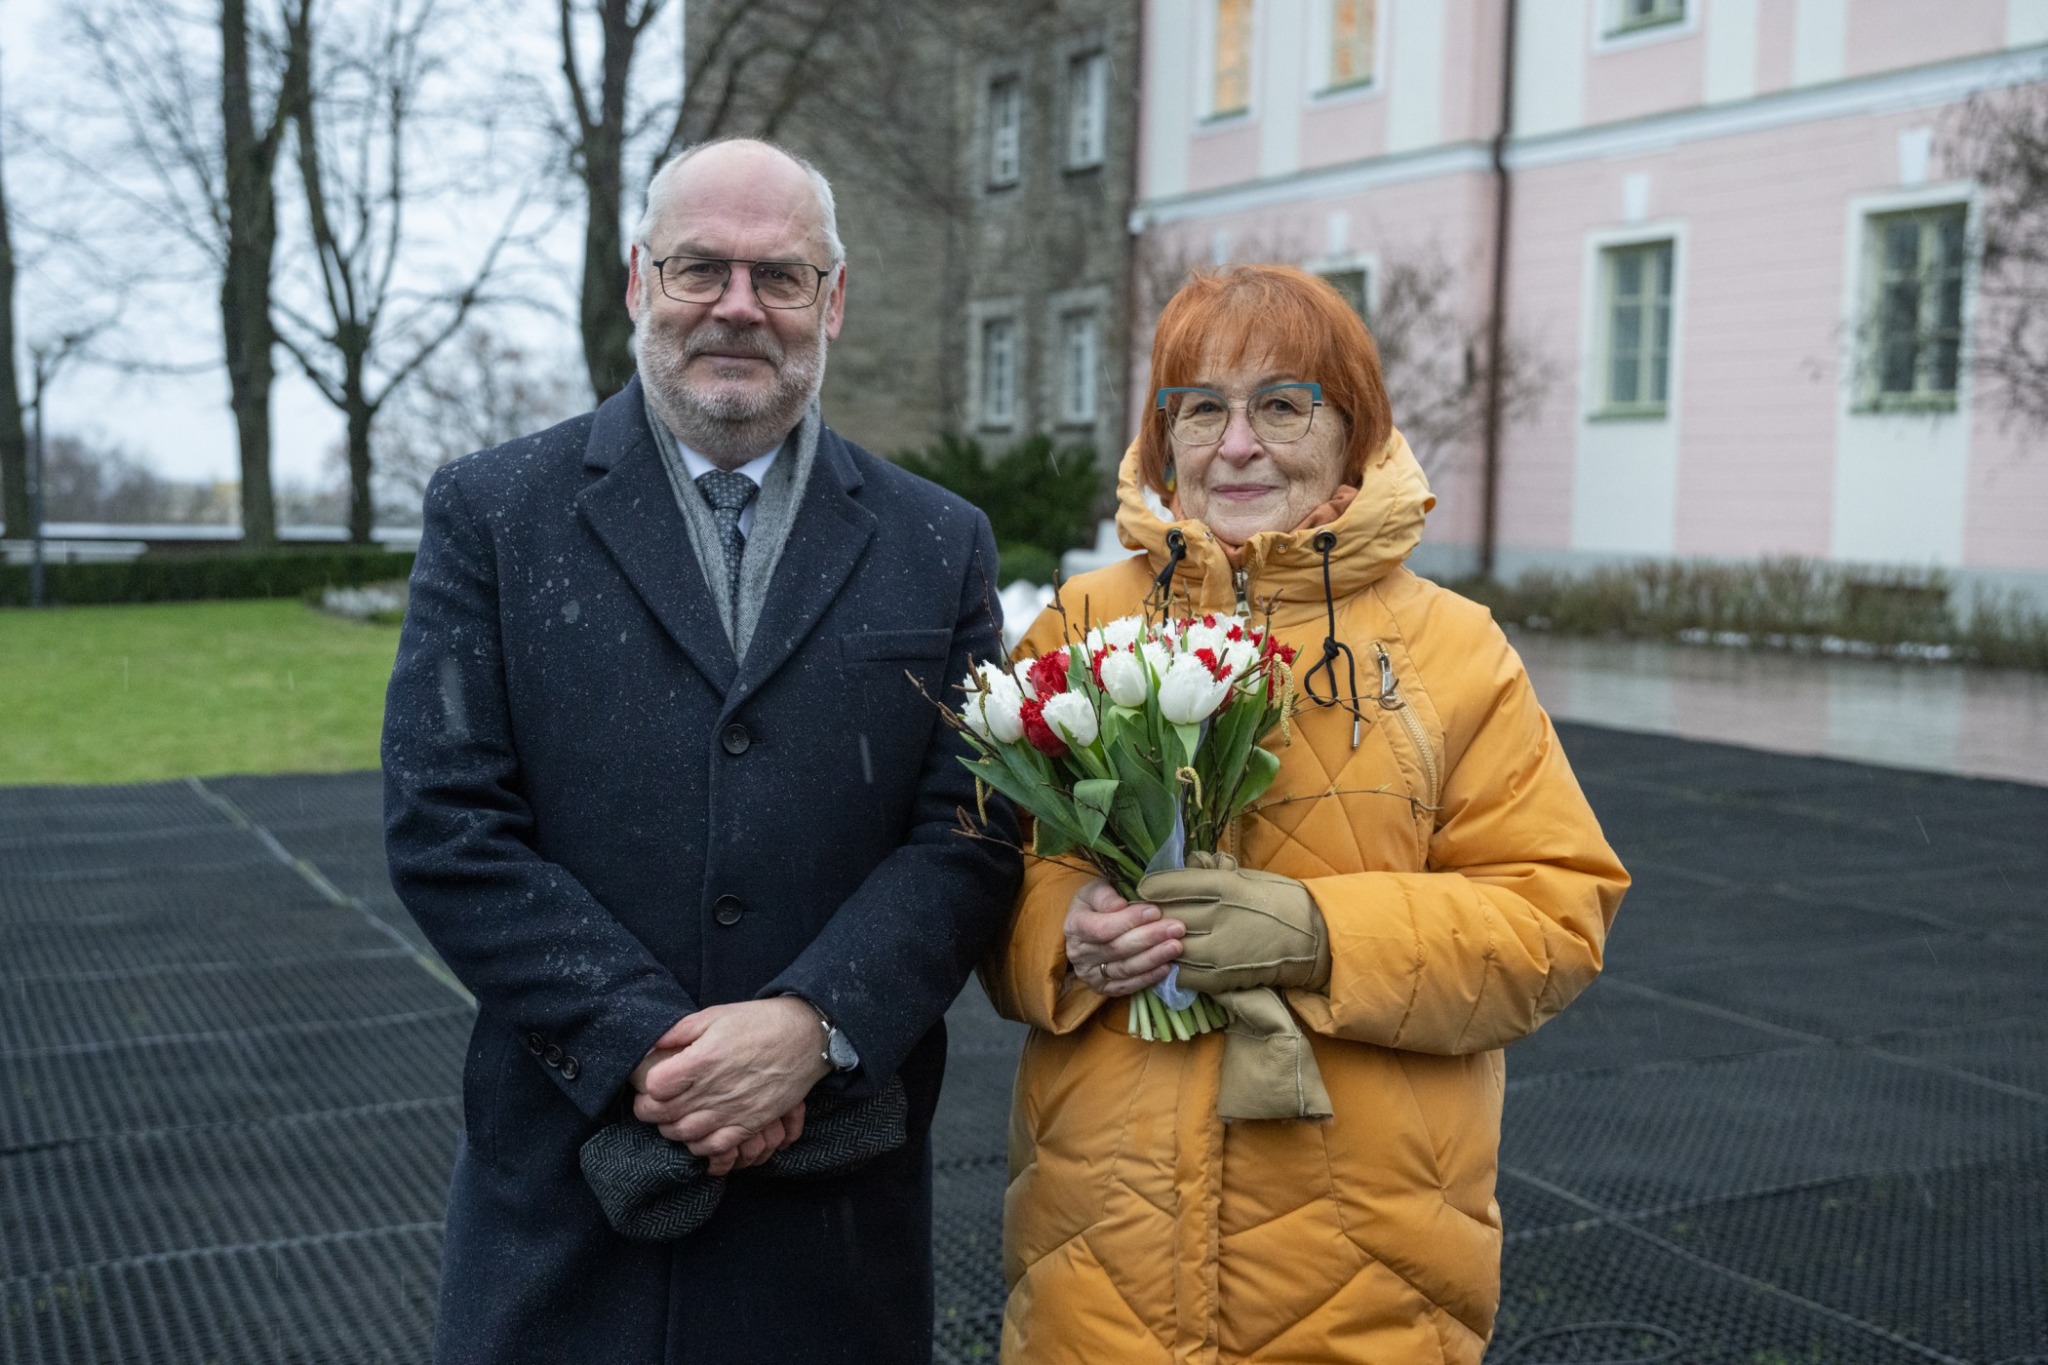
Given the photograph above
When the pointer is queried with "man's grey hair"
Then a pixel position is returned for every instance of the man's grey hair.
(828, 213)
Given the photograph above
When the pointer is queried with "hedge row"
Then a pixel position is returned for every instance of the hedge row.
(205, 577)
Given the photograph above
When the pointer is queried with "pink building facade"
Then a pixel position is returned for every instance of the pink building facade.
(1737, 262)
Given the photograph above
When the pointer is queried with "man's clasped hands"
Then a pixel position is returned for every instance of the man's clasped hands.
(729, 1081)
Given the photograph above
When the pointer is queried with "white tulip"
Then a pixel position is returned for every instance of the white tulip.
(1001, 709)
(1071, 718)
(1189, 693)
(1124, 678)
(1238, 656)
(1157, 657)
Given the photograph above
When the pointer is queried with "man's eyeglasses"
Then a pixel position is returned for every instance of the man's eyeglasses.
(703, 279)
(1278, 413)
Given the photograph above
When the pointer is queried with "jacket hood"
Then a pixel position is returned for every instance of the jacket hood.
(1379, 530)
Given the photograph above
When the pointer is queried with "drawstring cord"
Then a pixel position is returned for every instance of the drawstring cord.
(1176, 550)
(1324, 542)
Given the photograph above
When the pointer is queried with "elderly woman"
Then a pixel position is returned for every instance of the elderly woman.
(1425, 835)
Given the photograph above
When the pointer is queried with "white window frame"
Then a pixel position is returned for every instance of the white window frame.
(1005, 130)
(1610, 29)
(1080, 402)
(1596, 352)
(1859, 366)
(982, 384)
(1087, 110)
(1321, 51)
(1205, 67)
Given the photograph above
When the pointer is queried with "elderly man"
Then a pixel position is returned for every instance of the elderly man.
(663, 790)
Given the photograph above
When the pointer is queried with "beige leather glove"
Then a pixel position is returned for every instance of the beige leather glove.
(1269, 1069)
(1245, 928)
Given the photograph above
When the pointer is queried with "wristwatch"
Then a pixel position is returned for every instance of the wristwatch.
(838, 1052)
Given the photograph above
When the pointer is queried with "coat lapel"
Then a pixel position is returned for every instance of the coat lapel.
(633, 511)
(826, 539)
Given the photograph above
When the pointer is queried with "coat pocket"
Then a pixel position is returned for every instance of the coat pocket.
(880, 646)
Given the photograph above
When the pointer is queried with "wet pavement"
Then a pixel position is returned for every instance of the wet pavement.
(1933, 716)
(1803, 1117)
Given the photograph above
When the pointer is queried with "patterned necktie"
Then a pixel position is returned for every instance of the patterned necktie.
(729, 493)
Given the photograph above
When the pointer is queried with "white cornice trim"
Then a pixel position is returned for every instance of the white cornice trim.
(1893, 92)
(1353, 177)
(1897, 91)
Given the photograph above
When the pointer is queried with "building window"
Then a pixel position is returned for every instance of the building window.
(1080, 361)
(1638, 370)
(1915, 306)
(1230, 85)
(1356, 287)
(1087, 109)
(999, 372)
(1005, 131)
(1630, 16)
(1354, 38)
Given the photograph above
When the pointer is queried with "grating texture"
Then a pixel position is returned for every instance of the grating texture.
(1804, 1118)
(225, 1079)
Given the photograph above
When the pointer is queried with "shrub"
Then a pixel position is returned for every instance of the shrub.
(1790, 603)
(1033, 493)
(206, 577)
(1032, 563)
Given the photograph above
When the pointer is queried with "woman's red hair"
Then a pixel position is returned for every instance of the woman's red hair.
(1221, 316)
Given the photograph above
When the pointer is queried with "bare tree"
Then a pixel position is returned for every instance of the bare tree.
(749, 68)
(207, 143)
(2000, 140)
(481, 390)
(1432, 353)
(354, 117)
(15, 518)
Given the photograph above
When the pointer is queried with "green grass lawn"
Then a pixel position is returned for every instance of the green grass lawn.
(138, 694)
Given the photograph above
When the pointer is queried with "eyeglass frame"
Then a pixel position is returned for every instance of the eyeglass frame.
(661, 278)
(1315, 401)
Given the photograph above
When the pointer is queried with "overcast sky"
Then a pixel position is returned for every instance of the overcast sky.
(180, 425)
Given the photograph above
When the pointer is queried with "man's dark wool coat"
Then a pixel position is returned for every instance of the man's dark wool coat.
(602, 824)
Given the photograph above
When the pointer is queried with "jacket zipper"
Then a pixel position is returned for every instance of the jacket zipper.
(1244, 584)
(1391, 700)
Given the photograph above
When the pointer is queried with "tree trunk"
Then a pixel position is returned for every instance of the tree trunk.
(13, 440)
(607, 330)
(245, 282)
(360, 412)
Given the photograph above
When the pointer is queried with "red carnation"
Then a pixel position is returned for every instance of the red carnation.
(1095, 665)
(1049, 676)
(1041, 735)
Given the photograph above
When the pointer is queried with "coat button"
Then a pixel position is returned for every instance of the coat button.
(736, 739)
(554, 1054)
(536, 1044)
(727, 910)
(571, 1068)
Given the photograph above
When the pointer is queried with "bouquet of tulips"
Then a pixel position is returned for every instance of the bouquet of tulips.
(1133, 747)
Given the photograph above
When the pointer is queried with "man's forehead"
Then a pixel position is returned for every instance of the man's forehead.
(760, 194)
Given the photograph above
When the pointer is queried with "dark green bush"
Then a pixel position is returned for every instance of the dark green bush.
(1034, 494)
(197, 577)
(1032, 563)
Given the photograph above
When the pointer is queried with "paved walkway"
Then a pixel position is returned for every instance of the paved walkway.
(1937, 717)
(1803, 1117)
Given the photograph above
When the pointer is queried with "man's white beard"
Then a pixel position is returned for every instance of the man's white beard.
(727, 428)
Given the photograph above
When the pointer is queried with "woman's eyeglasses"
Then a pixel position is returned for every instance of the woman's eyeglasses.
(1278, 413)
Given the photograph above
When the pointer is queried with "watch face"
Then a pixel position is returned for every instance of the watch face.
(840, 1051)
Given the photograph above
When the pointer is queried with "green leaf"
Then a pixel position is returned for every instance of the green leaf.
(1094, 798)
(1190, 737)
(1262, 766)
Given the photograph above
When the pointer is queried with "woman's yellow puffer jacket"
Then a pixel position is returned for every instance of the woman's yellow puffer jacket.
(1467, 889)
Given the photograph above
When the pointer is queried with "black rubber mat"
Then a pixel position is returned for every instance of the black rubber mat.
(1802, 1119)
